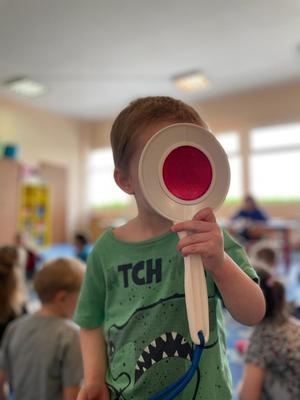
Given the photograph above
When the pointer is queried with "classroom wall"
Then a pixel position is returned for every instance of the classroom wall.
(250, 109)
(240, 111)
(46, 137)
(100, 133)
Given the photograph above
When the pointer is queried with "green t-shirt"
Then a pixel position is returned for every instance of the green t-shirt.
(135, 292)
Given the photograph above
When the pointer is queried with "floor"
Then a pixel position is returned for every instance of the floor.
(235, 331)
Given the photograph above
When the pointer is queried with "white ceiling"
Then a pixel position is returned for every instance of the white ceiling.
(96, 55)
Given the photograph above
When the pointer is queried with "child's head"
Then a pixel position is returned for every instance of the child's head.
(249, 203)
(58, 283)
(142, 114)
(9, 296)
(274, 293)
(134, 126)
(267, 255)
(80, 240)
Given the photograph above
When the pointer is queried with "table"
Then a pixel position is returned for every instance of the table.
(268, 229)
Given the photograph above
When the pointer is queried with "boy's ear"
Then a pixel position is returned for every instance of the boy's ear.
(123, 181)
(60, 296)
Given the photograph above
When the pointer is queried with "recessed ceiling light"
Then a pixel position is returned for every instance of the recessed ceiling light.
(25, 87)
(191, 81)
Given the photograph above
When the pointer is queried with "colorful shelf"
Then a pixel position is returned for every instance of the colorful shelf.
(34, 218)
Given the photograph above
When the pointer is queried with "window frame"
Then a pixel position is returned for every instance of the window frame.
(272, 150)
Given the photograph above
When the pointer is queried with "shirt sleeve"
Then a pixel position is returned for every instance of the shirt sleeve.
(257, 352)
(239, 255)
(90, 307)
(72, 373)
(4, 359)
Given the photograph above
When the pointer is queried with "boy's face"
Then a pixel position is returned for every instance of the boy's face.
(132, 179)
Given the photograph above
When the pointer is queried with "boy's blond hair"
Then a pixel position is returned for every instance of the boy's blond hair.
(141, 113)
(64, 273)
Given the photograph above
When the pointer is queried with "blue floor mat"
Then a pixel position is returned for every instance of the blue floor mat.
(58, 250)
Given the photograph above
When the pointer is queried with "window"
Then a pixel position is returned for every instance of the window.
(102, 190)
(231, 144)
(275, 162)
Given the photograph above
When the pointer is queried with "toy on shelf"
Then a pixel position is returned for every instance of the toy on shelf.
(34, 219)
(11, 151)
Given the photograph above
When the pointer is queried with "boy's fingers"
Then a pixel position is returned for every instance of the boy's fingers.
(193, 239)
(82, 395)
(199, 248)
(206, 214)
(106, 396)
(92, 394)
(201, 222)
(193, 225)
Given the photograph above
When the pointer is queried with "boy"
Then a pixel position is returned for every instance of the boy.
(40, 354)
(132, 305)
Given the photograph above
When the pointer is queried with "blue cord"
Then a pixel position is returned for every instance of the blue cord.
(175, 388)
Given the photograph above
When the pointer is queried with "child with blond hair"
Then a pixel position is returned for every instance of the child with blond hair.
(40, 353)
(272, 362)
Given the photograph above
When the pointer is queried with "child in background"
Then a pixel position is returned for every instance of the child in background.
(132, 303)
(264, 254)
(272, 368)
(28, 258)
(267, 255)
(12, 294)
(40, 354)
(82, 248)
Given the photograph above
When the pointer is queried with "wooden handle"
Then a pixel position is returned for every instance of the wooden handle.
(196, 296)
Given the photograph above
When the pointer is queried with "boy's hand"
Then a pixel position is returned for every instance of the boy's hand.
(204, 238)
(94, 392)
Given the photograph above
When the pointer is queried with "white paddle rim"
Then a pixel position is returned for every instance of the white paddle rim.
(151, 161)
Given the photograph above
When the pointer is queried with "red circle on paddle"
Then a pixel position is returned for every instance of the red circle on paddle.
(187, 173)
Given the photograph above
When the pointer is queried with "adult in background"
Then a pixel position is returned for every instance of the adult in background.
(40, 354)
(248, 220)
